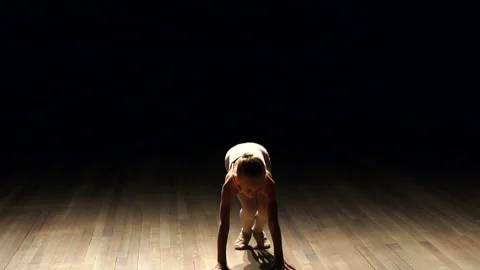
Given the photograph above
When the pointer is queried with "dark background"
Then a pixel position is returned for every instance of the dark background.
(338, 84)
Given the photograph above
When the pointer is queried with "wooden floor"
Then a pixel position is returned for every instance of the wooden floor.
(146, 217)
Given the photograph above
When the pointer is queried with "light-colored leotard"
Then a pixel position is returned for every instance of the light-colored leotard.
(238, 150)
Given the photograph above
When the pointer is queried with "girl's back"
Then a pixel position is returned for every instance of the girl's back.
(249, 147)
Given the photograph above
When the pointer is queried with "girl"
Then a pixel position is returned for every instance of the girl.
(249, 179)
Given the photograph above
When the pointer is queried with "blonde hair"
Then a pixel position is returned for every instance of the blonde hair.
(250, 166)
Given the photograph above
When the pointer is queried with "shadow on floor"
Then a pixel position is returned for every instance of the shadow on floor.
(257, 259)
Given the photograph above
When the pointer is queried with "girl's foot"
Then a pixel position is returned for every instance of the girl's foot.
(262, 241)
(242, 240)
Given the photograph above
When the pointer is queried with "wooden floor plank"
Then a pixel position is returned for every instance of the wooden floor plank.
(150, 217)
(126, 233)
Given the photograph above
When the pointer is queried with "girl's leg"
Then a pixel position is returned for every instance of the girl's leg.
(247, 217)
(261, 220)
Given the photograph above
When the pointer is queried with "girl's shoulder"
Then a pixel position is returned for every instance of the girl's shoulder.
(229, 186)
(229, 176)
(269, 188)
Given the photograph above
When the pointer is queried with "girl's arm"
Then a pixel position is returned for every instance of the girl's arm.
(273, 224)
(228, 193)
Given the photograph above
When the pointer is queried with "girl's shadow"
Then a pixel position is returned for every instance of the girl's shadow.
(259, 259)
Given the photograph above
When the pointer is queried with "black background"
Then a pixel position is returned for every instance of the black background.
(341, 84)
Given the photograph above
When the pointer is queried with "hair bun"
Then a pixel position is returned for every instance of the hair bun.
(251, 166)
(247, 155)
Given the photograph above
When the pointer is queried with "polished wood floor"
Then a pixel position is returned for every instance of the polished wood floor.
(146, 216)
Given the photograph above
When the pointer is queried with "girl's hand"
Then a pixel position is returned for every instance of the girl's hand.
(219, 266)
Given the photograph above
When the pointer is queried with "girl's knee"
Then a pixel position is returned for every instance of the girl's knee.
(262, 211)
(250, 212)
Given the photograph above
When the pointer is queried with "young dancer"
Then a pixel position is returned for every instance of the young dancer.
(249, 179)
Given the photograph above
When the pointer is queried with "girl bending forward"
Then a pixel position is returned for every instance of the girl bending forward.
(249, 179)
